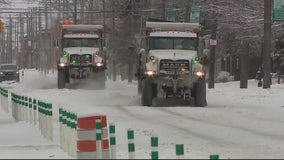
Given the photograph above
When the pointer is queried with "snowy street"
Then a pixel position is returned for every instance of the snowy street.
(237, 123)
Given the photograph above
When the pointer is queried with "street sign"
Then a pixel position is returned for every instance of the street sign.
(278, 11)
(194, 14)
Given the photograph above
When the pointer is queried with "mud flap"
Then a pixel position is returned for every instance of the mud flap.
(61, 79)
(146, 96)
(200, 94)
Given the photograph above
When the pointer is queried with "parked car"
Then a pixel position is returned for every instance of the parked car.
(9, 72)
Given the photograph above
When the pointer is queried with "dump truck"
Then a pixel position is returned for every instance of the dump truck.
(83, 55)
(169, 66)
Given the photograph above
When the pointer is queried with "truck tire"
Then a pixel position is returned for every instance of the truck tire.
(139, 86)
(61, 79)
(200, 94)
(146, 96)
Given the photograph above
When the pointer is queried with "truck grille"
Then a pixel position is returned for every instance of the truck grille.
(9, 73)
(168, 66)
(80, 59)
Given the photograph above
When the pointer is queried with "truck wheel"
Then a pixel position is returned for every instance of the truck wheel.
(200, 94)
(146, 96)
(61, 79)
(139, 86)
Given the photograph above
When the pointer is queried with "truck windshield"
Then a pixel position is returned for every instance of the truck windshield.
(9, 66)
(81, 42)
(173, 43)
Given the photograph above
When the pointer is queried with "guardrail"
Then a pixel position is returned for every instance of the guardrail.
(81, 136)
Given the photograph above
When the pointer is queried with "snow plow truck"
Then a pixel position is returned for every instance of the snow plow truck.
(83, 55)
(169, 66)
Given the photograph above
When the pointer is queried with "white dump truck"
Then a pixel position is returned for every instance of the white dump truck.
(83, 54)
(169, 65)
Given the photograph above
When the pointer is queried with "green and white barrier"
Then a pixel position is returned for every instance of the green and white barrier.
(214, 157)
(22, 109)
(112, 141)
(154, 147)
(45, 119)
(68, 131)
(30, 117)
(81, 136)
(131, 144)
(15, 101)
(179, 151)
(99, 138)
(4, 94)
(35, 112)
(26, 109)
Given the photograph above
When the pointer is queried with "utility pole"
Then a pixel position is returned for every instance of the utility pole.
(104, 17)
(32, 39)
(60, 10)
(44, 40)
(164, 9)
(10, 39)
(28, 41)
(212, 55)
(21, 40)
(112, 45)
(2, 34)
(244, 65)
(267, 44)
(40, 45)
(75, 11)
(16, 41)
(187, 12)
(91, 16)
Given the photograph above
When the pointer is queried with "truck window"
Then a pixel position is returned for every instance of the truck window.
(81, 42)
(9, 66)
(173, 43)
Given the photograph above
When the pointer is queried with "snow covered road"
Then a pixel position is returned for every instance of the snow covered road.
(237, 123)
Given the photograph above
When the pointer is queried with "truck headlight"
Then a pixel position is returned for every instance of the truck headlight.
(199, 73)
(150, 73)
(99, 64)
(62, 64)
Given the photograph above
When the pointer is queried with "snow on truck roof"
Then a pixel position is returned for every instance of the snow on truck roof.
(81, 36)
(166, 26)
(82, 27)
(172, 34)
